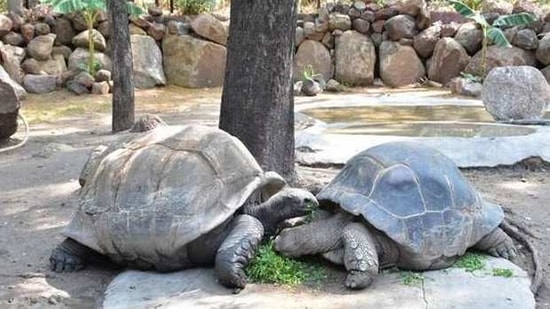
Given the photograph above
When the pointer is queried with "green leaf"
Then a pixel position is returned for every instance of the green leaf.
(515, 20)
(135, 10)
(462, 8)
(69, 6)
(497, 36)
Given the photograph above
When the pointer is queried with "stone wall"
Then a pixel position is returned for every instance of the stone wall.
(400, 43)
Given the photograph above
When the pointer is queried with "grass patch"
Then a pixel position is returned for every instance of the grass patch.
(412, 278)
(471, 261)
(503, 272)
(270, 267)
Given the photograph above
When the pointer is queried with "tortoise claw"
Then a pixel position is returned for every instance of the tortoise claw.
(62, 261)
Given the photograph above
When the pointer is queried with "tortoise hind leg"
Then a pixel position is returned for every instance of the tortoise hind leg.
(360, 256)
(497, 243)
(70, 256)
(236, 251)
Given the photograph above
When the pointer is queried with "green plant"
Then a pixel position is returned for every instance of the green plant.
(194, 7)
(89, 9)
(503, 272)
(270, 267)
(471, 77)
(471, 262)
(492, 32)
(411, 278)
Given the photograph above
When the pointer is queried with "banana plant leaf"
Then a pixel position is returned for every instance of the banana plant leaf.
(515, 20)
(69, 6)
(497, 36)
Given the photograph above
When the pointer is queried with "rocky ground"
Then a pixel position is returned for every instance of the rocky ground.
(39, 187)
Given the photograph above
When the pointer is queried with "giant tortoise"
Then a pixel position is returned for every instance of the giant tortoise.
(398, 204)
(178, 197)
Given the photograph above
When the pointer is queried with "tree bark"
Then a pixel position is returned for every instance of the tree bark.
(257, 100)
(122, 69)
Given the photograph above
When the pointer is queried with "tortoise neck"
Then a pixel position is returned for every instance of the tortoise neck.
(270, 213)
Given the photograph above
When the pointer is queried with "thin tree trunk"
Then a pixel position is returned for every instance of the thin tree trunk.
(257, 101)
(15, 6)
(122, 70)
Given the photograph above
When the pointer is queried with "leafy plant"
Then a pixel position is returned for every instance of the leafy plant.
(90, 10)
(471, 262)
(270, 267)
(492, 32)
(471, 77)
(411, 278)
(503, 272)
(194, 7)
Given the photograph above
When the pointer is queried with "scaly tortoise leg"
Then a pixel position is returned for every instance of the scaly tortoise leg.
(360, 256)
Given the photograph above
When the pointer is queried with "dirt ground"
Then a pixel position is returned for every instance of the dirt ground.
(39, 188)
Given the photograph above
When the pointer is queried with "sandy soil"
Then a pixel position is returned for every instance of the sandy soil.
(39, 187)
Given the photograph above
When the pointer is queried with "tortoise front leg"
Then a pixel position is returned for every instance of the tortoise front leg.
(360, 256)
(236, 251)
(70, 256)
(497, 243)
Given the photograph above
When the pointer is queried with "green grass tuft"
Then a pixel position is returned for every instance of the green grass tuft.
(412, 278)
(270, 267)
(471, 261)
(503, 272)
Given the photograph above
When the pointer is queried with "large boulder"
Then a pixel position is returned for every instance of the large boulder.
(12, 56)
(399, 64)
(515, 92)
(64, 31)
(424, 42)
(6, 25)
(81, 40)
(193, 63)
(408, 7)
(502, 7)
(339, 21)
(79, 59)
(40, 48)
(400, 26)
(5, 78)
(210, 28)
(526, 39)
(448, 60)
(40, 83)
(9, 108)
(147, 60)
(543, 50)
(470, 36)
(355, 58)
(314, 55)
(54, 66)
(499, 56)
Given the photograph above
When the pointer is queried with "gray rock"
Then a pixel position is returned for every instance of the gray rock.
(339, 21)
(328, 40)
(147, 61)
(6, 25)
(311, 33)
(463, 86)
(54, 66)
(157, 31)
(543, 51)
(400, 26)
(312, 55)
(311, 87)
(64, 31)
(104, 28)
(469, 35)
(399, 64)
(42, 29)
(40, 83)
(409, 7)
(498, 57)
(526, 39)
(31, 66)
(81, 40)
(515, 92)
(210, 28)
(40, 48)
(77, 88)
(79, 59)
(449, 288)
(361, 25)
(424, 42)
(102, 76)
(334, 86)
(63, 50)
(194, 63)
(14, 38)
(355, 58)
(136, 30)
(297, 88)
(101, 88)
(9, 109)
(5, 78)
(501, 7)
(546, 72)
(27, 31)
(299, 36)
(12, 56)
(85, 79)
(448, 60)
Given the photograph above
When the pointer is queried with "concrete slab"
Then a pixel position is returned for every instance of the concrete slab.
(315, 145)
(450, 288)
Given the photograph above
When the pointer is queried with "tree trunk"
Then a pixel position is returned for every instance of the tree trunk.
(257, 100)
(122, 69)
(16, 6)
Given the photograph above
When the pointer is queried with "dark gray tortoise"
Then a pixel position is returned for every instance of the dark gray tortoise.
(175, 198)
(404, 205)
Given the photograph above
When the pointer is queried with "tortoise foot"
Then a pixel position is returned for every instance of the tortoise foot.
(505, 250)
(358, 280)
(498, 243)
(68, 257)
